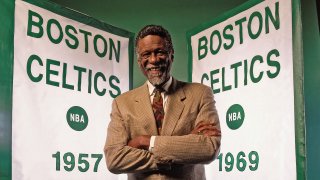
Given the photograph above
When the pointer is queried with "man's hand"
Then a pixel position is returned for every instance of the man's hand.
(140, 142)
(207, 129)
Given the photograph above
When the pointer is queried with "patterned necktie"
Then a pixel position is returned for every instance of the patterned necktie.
(157, 107)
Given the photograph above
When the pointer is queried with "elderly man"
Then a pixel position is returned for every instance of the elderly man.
(164, 129)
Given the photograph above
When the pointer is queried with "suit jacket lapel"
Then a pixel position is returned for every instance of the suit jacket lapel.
(174, 108)
(144, 109)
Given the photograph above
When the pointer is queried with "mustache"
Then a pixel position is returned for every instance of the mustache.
(153, 67)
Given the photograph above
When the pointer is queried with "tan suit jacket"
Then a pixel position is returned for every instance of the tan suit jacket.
(177, 154)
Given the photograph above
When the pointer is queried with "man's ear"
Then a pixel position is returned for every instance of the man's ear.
(140, 65)
(172, 57)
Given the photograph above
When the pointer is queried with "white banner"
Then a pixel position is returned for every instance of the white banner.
(66, 74)
(245, 56)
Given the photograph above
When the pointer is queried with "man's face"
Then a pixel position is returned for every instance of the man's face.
(154, 59)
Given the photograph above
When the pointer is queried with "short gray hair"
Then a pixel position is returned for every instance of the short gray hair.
(155, 30)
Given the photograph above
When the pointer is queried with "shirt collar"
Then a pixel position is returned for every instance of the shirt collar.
(165, 87)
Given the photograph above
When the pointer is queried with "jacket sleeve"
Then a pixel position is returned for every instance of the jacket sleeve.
(191, 148)
(121, 158)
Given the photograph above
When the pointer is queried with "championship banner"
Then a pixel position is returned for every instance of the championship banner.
(68, 68)
(245, 56)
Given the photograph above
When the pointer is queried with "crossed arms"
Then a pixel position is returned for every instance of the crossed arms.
(130, 155)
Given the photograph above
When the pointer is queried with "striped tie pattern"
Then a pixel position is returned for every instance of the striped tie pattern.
(157, 107)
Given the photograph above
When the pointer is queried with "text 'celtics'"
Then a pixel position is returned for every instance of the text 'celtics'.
(243, 72)
(54, 73)
(73, 72)
(242, 35)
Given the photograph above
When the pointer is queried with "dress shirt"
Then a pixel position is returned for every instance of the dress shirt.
(165, 87)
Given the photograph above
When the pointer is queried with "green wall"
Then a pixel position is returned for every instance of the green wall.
(311, 51)
(6, 56)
